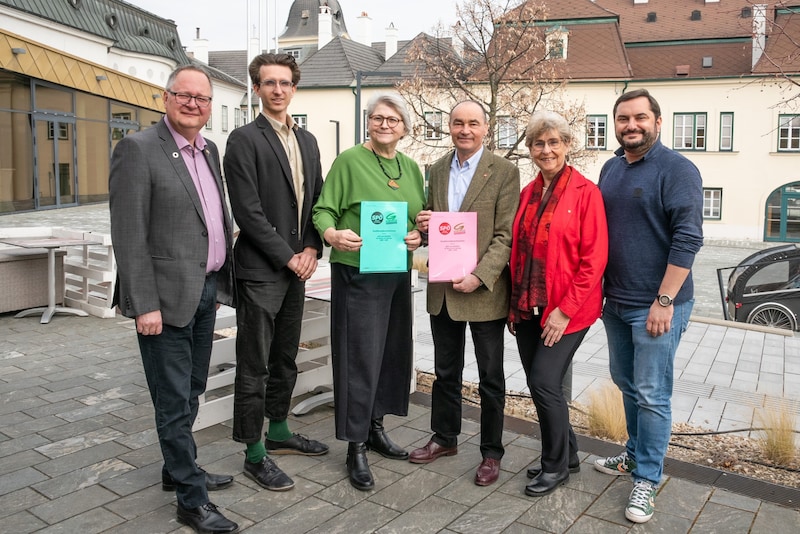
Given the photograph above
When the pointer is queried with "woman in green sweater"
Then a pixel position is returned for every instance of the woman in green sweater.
(371, 312)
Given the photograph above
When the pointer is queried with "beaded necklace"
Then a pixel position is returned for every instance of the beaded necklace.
(392, 181)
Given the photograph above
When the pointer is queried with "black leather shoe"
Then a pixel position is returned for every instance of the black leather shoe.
(297, 444)
(546, 483)
(206, 519)
(379, 442)
(574, 466)
(268, 475)
(358, 468)
(213, 482)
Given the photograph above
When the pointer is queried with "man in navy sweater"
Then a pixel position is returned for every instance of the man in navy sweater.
(654, 205)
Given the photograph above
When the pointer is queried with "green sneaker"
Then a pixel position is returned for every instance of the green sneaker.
(641, 503)
(615, 465)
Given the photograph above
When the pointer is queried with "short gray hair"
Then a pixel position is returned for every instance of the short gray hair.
(197, 68)
(394, 101)
(544, 121)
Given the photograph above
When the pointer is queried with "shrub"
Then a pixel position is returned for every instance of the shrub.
(606, 415)
(777, 439)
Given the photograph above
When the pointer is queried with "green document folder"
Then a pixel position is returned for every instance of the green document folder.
(383, 230)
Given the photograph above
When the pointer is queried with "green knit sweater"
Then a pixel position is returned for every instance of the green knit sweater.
(355, 176)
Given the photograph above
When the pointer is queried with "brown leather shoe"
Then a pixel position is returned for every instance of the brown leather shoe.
(487, 472)
(430, 452)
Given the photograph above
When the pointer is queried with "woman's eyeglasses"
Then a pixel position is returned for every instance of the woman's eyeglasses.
(377, 120)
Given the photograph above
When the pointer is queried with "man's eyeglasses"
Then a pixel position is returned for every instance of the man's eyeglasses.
(184, 98)
(554, 144)
(377, 120)
(270, 84)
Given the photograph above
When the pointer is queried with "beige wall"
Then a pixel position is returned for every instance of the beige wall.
(747, 175)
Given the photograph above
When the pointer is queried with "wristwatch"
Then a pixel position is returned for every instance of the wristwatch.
(665, 300)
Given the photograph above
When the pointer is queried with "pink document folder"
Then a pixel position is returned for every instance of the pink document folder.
(452, 245)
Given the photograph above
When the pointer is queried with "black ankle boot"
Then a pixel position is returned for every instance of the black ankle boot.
(358, 468)
(379, 442)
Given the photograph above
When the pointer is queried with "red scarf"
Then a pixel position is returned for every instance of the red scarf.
(528, 290)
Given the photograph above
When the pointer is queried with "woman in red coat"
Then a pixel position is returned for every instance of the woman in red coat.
(558, 254)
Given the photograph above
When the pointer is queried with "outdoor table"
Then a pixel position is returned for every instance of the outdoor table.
(51, 244)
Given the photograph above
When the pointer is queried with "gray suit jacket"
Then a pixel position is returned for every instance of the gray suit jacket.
(494, 195)
(264, 202)
(158, 229)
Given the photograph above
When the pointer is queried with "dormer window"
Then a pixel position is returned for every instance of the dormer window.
(557, 40)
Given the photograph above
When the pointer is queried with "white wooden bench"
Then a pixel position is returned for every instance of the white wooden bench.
(315, 370)
(314, 366)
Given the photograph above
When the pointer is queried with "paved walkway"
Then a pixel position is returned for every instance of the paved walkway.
(78, 452)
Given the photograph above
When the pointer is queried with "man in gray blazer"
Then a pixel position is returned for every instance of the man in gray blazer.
(471, 179)
(273, 171)
(172, 241)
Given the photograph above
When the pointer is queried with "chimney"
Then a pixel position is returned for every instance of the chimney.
(759, 31)
(200, 47)
(457, 41)
(364, 29)
(253, 50)
(324, 26)
(391, 40)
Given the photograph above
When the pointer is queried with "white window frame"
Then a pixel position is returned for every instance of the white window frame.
(506, 131)
(594, 125)
(301, 120)
(726, 131)
(712, 203)
(789, 133)
(433, 125)
(224, 118)
(690, 131)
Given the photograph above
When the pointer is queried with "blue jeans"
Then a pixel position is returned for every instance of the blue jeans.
(642, 367)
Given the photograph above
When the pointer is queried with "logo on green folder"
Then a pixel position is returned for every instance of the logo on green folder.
(378, 218)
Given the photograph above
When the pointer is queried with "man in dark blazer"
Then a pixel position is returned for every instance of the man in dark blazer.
(471, 179)
(172, 241)
(273, 171)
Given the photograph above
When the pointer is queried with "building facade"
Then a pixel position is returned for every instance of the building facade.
(724, 71)
(76, 76)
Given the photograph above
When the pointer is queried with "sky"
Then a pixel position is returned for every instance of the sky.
(224, 23)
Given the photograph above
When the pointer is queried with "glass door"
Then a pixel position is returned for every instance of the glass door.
(55, 175)
(783, 214)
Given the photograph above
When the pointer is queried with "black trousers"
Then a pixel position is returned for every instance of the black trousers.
(176, 368)
(449, 339)
(372, 348)
(269, 316)
(545, 368)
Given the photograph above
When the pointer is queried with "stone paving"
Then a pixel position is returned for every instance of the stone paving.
(78, 451)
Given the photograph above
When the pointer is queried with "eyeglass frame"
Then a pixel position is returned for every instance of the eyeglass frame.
(199, 100)
(554, 144)
(271, 84)
(378, 120)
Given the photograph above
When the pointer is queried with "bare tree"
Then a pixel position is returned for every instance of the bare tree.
(497, 56)
(776, 29)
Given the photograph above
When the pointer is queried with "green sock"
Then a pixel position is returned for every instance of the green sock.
(256, 452)
(279, 430)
